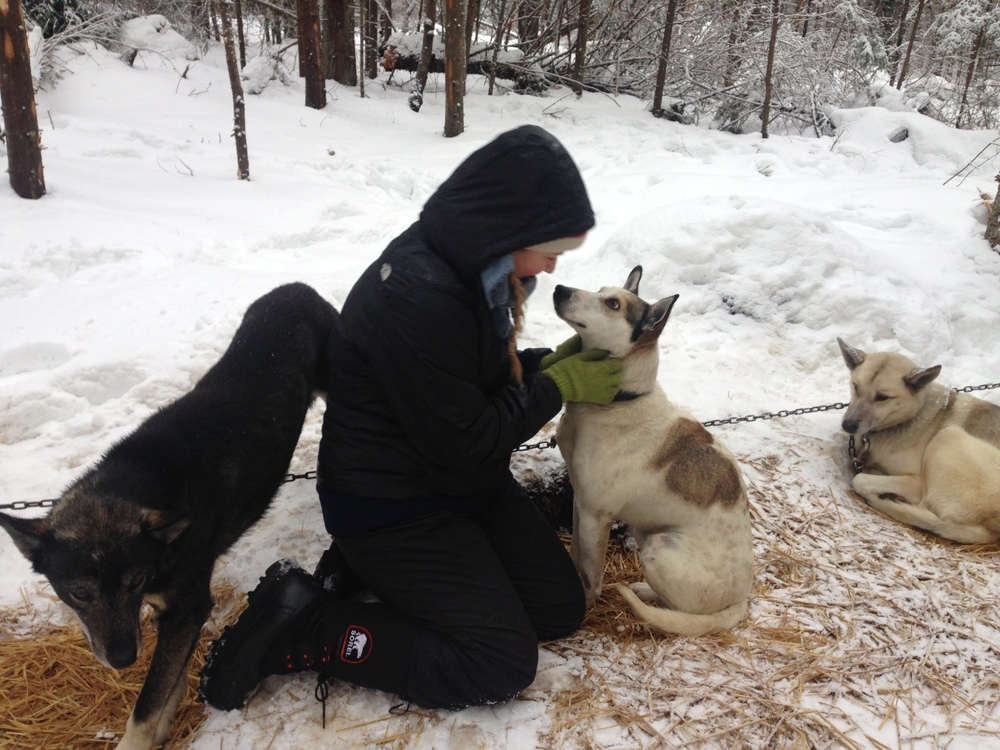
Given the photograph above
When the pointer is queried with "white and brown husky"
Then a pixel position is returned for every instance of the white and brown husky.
(644, 461)
(930, 457)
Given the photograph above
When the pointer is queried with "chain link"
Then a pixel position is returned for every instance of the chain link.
(25, 504)
(293, 477)
(551, 442)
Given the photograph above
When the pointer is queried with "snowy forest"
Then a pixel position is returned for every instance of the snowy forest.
(727, 64)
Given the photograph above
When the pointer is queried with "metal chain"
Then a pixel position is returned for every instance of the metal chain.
(25, 504)
(971, 388)
(551, 442)
(775, 415)
(292, 477)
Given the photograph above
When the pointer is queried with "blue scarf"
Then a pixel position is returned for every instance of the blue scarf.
(500, 295)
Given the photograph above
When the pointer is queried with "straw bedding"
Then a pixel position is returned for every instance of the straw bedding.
(862, 633)
(56, 695)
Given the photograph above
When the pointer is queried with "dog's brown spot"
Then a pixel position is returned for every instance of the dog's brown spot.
(697, 471)
(684, 435)
(983, 422)
(704, 477)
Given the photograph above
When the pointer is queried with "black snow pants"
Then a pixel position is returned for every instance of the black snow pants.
(463, 600)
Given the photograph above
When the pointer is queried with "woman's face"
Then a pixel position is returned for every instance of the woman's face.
(532, 263)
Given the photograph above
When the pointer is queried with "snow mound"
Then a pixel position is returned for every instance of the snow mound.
(155, 34)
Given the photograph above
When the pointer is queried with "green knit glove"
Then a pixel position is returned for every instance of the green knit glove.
(589, 376)
(572, 345)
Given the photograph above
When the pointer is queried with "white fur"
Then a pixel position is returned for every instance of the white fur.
(697, 556)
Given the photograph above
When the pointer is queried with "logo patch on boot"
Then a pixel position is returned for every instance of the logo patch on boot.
(357, 645)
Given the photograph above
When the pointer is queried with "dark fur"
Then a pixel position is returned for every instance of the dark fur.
(148, 521)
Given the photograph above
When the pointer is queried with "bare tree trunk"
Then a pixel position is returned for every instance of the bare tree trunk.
(215, 22)
(310, 53)
(239, 105)
(24, 142)
(909, 45)
(661, 68)
(900, 33)
(362, 23)
(497, 35)
(369, 36)
(580, 53)
(342, 63)
(766, 113)
(455, 61)
(239, 33)
(416, 99)
(973, 61)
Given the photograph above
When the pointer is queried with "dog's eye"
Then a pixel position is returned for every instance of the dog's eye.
(881, 397)
(81, 595)
(612, 303)
(138, 581)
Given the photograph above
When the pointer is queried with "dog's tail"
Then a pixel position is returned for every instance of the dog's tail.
(683, 623)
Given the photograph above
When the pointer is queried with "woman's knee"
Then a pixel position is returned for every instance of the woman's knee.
(561, 616)
(490, 670)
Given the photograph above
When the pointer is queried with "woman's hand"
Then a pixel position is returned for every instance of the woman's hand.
(589, 376)
(572, 345)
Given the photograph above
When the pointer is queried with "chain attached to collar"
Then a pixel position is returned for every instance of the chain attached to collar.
(858, 458)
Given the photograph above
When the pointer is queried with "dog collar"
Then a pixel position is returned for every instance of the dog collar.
(627, 396)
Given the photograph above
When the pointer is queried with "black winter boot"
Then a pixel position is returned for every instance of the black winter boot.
(254, 646)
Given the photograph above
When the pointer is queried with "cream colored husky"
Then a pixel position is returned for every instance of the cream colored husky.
(643, 461)
(930, 457)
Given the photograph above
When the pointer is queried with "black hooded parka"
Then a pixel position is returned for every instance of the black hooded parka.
(421, 411)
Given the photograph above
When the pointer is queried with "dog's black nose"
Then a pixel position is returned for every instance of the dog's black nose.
(561, 293)
(850, 426)
(122, 655)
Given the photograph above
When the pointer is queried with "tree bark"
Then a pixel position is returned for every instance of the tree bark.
(341, 59)
(973, 61)
(239, 105)
(909, 46)
(894, 62)
(765, 114)
(17, 97)
(369, 35)
(580, 56)
(498, 33)
(661, 68)
(240, 35)
(455, 60)
(310, 53)
(416, 99)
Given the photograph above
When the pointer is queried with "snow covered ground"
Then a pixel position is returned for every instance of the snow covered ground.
(124, 284)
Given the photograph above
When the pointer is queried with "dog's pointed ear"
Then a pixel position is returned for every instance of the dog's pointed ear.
(632, 282)
(921, 378)
(163, 529)
(657, 314)
(28, 533)
(852, 357)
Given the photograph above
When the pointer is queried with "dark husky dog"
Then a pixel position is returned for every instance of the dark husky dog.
(148, 521)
